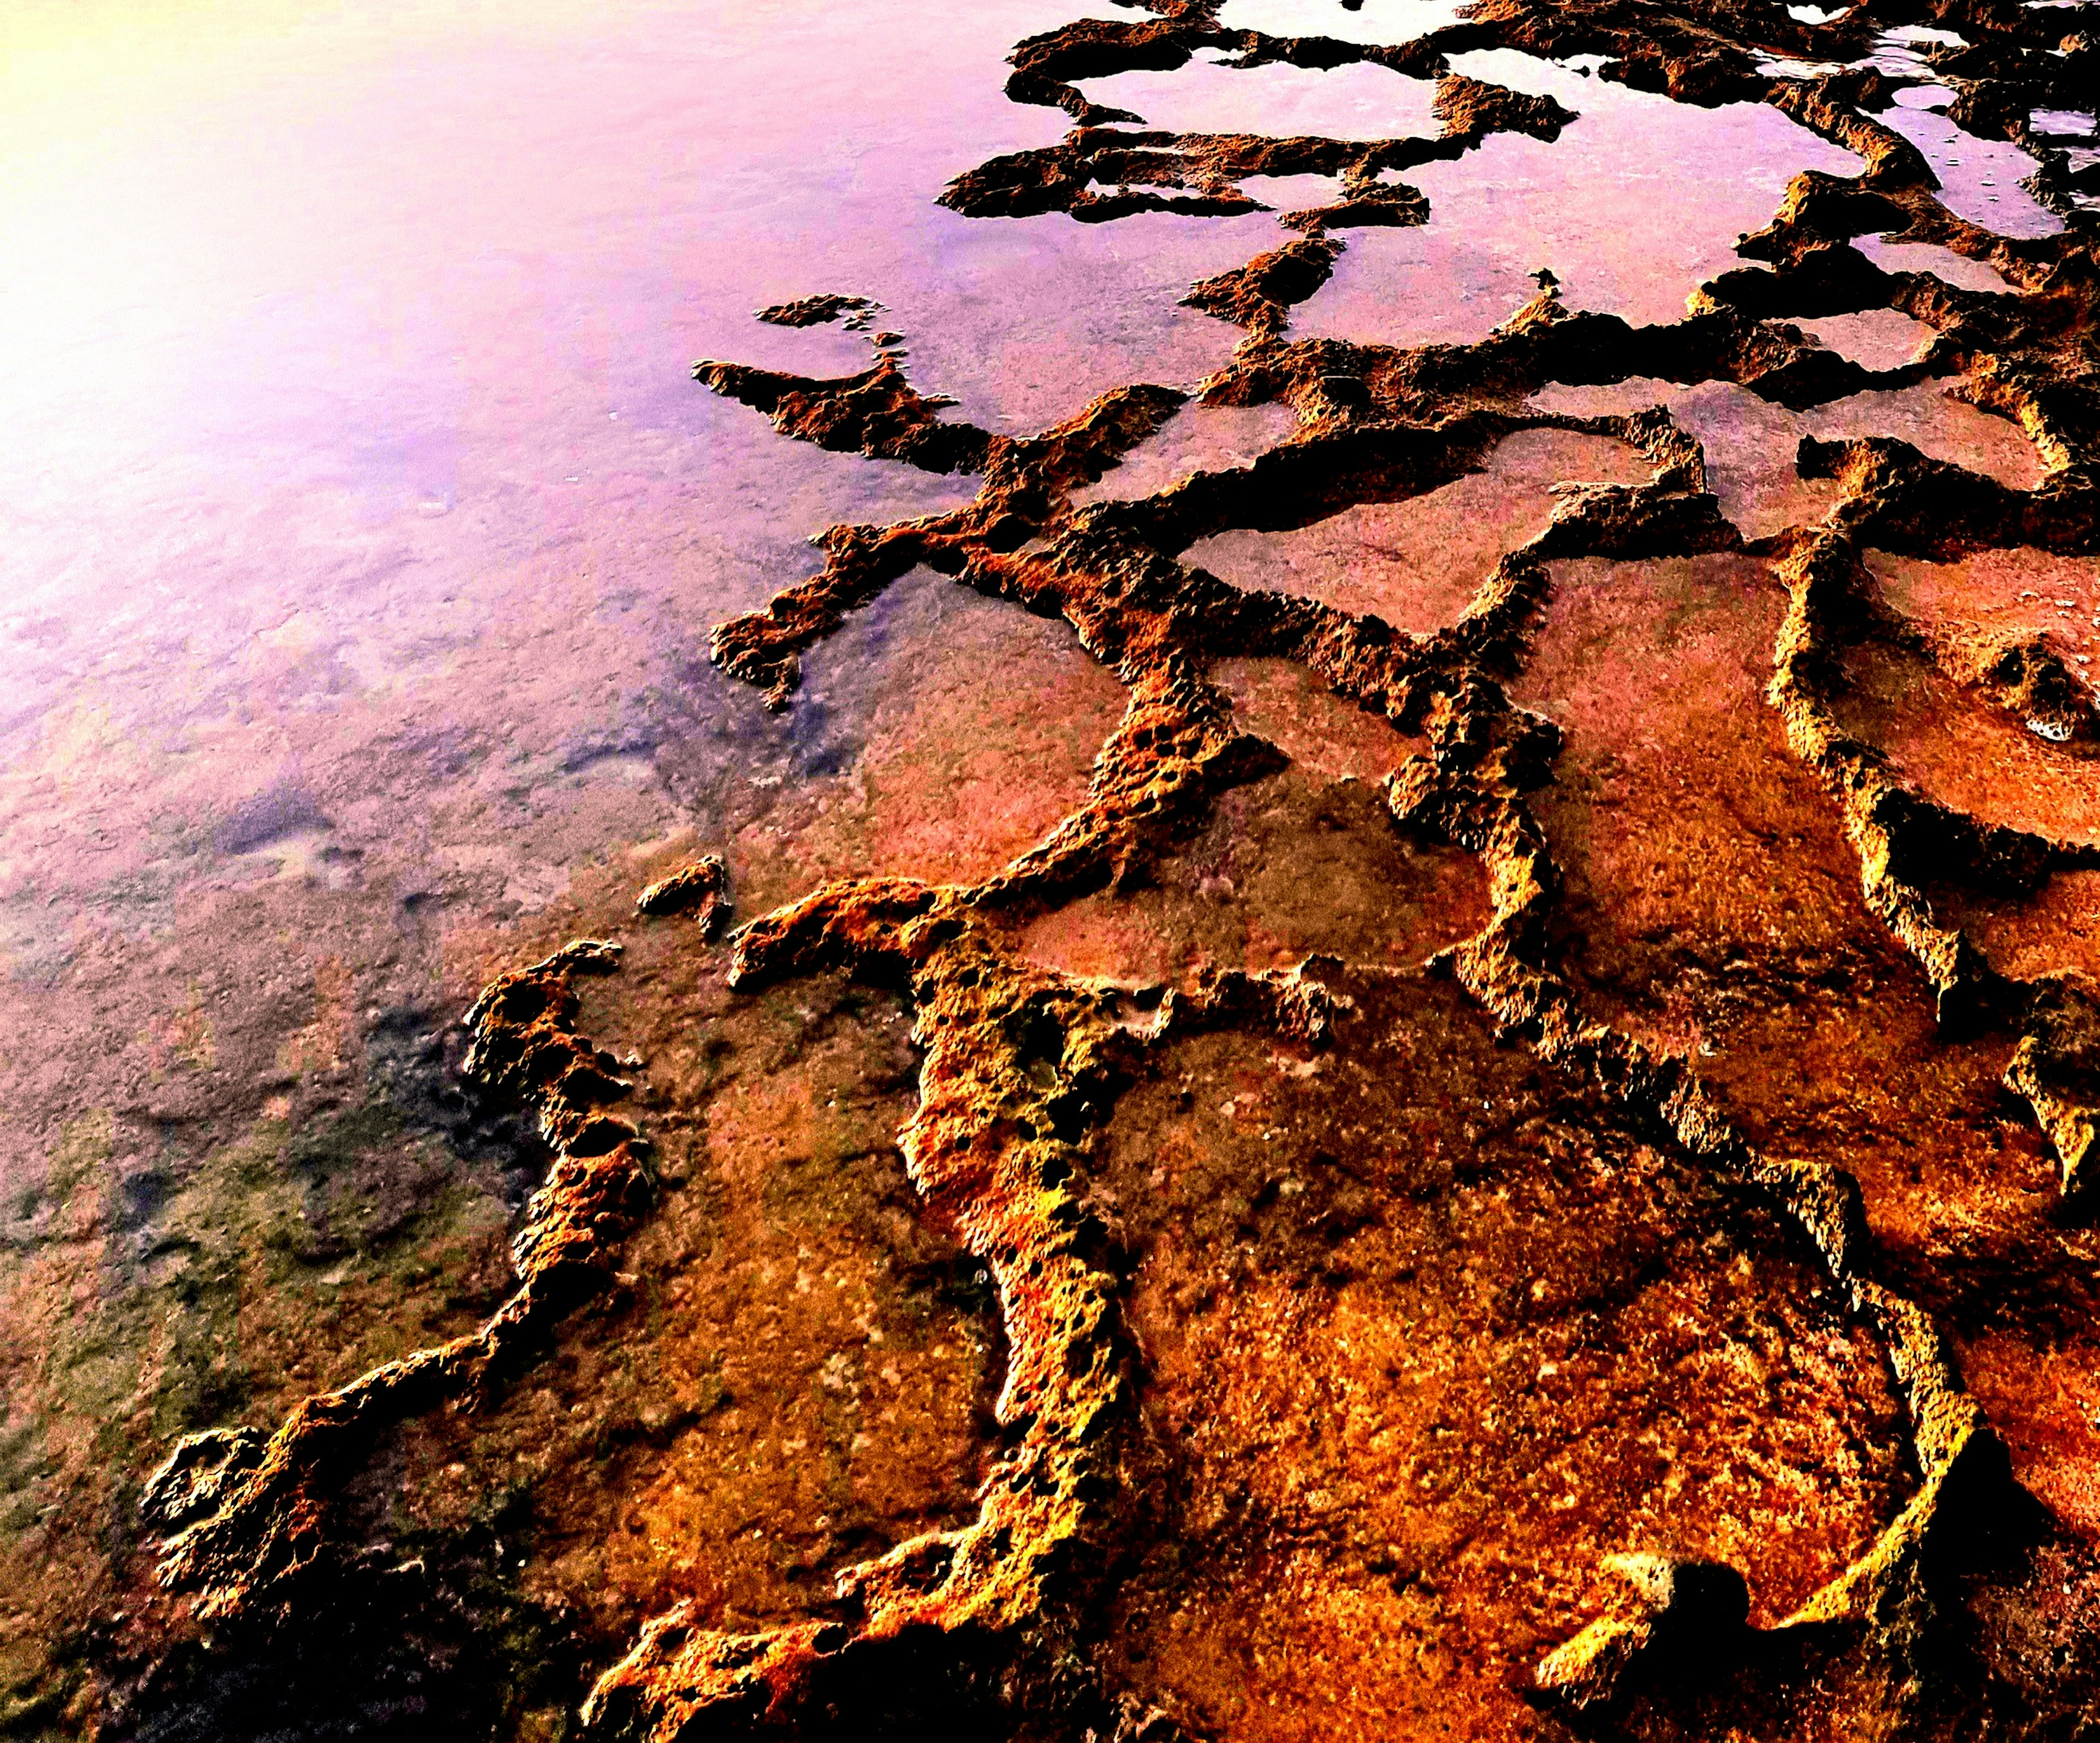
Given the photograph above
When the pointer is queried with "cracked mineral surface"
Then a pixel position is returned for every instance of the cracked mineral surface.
(1288, 928)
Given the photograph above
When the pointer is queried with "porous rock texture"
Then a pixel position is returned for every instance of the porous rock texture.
(699, 888)
(1924, 1604)
(244, 1518)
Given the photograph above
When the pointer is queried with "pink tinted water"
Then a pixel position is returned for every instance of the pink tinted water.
(1373, 21)
(1640, 201)
(347, 357)
(1361, 101)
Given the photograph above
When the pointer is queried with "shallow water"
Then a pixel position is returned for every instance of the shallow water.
(1373, 21)
(1199, 437)
(1361, 101)
(1750, 444)
(368, 538)
(382, 387)
(1979, 179)
(1418, 563)
(1640, 201)
(1944, 263)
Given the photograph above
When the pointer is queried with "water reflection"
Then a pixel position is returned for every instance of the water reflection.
(355, 353)
(1359, 102)
(1979, 180)
(1640, 201)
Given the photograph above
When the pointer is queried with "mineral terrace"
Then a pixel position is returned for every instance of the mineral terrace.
(1380, 1019)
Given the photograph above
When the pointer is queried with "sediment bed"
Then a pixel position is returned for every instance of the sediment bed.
(1633, 1277)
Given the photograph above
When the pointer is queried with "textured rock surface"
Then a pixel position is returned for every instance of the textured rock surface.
(1520, 1172)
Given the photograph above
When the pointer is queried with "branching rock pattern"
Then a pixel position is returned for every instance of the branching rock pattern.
(996, 1624)
(244, 1518)
(1019, 1066)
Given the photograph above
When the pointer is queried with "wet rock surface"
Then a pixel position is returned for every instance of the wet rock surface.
(1433, 1073)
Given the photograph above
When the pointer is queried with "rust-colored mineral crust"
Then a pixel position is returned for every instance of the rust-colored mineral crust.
(703, 885)
(858, 313)
(1000, 1626)
(1020, 1068)
(243, 1518)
